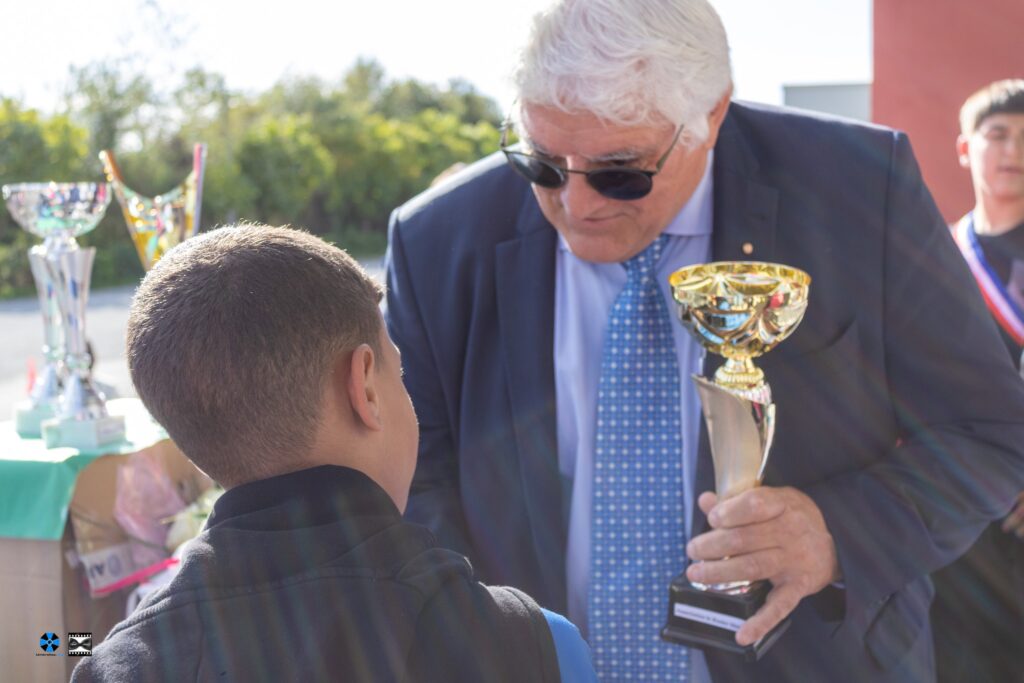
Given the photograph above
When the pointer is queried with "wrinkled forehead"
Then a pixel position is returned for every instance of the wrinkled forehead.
(561, 133)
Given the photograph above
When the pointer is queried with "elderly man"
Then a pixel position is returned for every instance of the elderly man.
(515, 286)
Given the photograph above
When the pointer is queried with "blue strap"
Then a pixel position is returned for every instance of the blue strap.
(574, 661)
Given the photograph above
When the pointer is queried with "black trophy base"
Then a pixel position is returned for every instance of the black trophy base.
(707, 619)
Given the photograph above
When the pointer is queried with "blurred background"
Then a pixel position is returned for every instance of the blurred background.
(326, 118)
(329, 115)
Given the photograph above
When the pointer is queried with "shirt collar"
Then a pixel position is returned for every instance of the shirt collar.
(325, 494)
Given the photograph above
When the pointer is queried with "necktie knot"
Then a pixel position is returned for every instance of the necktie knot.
(642, 265)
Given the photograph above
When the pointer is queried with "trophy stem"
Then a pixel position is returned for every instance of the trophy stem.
(739, 373)
(46, 388)
(82, 420)
(72, 270)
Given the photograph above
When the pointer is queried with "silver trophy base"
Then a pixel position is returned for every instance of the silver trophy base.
(85, 435)
(29, 418)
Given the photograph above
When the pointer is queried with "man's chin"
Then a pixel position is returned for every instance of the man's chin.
(601, 250)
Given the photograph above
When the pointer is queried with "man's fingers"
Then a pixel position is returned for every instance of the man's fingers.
(780, 602)
(719, 543)
(706, 501)
(749, 507)
(749, 567)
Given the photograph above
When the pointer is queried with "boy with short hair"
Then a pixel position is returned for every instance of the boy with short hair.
(991, 147)
(262, 352)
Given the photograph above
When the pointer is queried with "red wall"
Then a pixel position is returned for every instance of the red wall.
(929, 55)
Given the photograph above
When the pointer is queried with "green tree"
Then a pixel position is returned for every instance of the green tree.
(333, 157)
(113, 98)
(285, 164)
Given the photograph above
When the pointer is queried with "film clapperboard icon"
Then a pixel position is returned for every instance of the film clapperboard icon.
(79, 644)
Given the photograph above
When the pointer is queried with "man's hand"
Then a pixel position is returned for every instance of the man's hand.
(1014, 522)
(766, 533)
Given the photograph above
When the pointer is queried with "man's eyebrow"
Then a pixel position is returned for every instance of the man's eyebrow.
(624, 154)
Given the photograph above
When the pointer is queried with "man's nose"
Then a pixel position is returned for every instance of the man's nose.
(578, 198)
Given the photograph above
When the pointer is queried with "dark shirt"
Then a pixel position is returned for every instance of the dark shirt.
(315, 576)
(1001, 251)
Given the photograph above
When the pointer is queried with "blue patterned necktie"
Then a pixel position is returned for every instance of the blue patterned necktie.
(637, 535)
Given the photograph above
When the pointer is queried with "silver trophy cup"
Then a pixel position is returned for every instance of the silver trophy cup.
(64, 407)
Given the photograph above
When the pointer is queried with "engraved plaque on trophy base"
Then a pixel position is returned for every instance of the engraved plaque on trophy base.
(29, 417)
(85, 435)
(703, 618)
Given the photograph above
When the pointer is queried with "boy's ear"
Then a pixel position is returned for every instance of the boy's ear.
(962, 151)
(363, 392)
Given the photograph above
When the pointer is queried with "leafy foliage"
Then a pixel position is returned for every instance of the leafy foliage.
(333, 158)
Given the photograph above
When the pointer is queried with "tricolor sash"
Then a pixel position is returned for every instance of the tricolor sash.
(998, 299)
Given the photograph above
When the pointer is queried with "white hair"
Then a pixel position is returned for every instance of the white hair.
(628, 62)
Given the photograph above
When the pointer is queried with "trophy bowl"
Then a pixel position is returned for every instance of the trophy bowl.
(57, 209)
(740, 310)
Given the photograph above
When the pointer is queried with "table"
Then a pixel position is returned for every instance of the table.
(37, 484)
(51, 501)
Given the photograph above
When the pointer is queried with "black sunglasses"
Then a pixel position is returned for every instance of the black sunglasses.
(615, 183)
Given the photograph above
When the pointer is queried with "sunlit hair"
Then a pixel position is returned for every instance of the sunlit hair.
(231, 338)
(629, 62)
(1001, 97)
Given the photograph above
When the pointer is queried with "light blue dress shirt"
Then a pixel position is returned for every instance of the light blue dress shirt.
(584, 293)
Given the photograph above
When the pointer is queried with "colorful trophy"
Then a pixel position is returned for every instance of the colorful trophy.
(160, 223)
(60, 212)
(739, 310)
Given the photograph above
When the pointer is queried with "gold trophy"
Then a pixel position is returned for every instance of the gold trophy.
(739, 310)
(158, 224)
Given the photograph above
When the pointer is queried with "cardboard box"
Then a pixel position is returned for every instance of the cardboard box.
(42, 593)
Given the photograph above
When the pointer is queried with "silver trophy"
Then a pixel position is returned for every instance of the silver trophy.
(60, 212)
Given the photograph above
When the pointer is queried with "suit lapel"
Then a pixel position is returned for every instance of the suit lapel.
(525, 285)
(744, 216)
(744, 207)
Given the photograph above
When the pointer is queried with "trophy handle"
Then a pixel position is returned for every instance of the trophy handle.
(198, 175)
(767, 435)
(110, 167)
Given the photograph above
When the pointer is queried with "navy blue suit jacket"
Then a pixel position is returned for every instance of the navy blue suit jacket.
(898, 410)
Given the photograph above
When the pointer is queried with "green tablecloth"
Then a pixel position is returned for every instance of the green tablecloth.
(37, 484)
